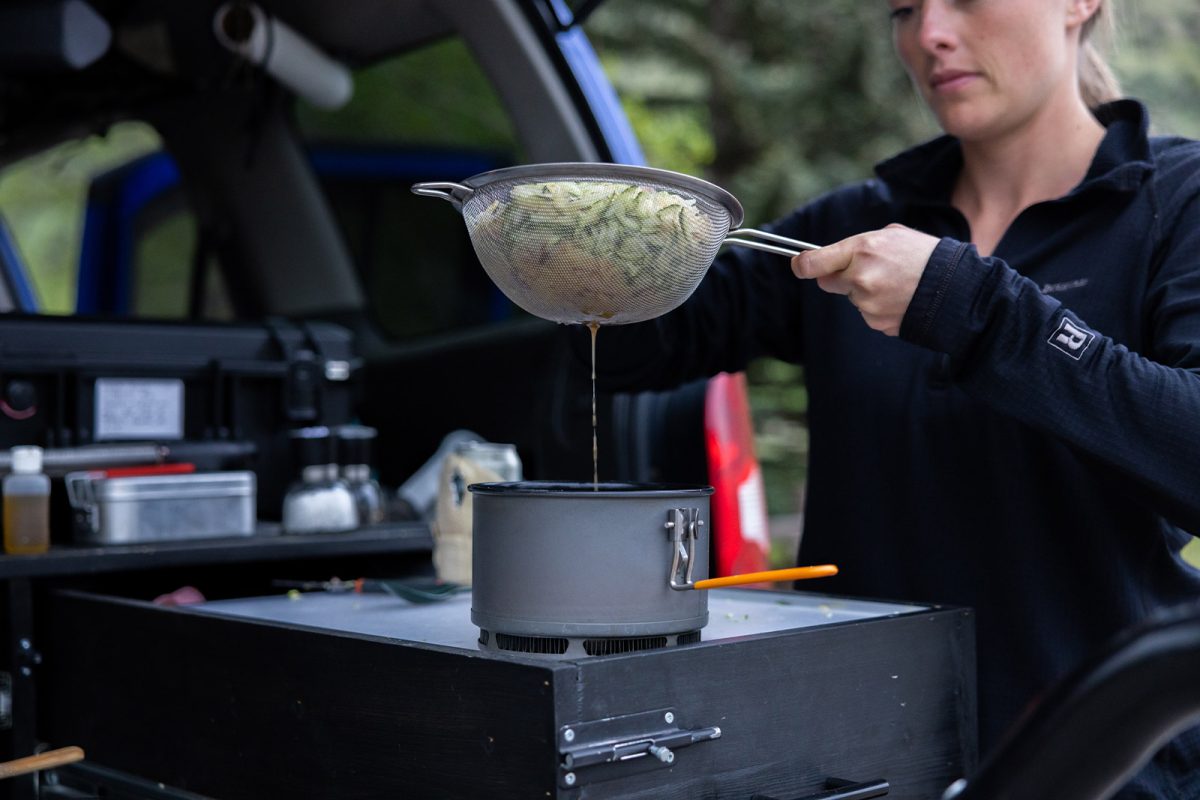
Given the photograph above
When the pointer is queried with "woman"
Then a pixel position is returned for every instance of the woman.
(1024, 438)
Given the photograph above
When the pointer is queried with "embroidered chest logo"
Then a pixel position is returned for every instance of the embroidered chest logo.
(1071, 338)
(1051, 288)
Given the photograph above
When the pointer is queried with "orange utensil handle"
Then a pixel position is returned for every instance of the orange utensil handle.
(46, 760)
(770, 576)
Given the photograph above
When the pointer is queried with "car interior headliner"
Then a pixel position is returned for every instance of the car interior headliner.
(162, 51)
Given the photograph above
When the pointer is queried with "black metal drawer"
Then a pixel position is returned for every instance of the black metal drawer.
(319, 698)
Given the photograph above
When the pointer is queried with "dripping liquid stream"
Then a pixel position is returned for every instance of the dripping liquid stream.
(595, 329)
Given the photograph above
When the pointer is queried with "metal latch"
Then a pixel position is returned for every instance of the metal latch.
(683, 529)
(639, 742)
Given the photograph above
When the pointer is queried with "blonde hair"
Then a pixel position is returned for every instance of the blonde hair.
(1097, 83)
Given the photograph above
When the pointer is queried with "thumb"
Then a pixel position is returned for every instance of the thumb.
(823, 261)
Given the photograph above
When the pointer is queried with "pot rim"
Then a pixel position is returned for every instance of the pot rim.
(588, 489)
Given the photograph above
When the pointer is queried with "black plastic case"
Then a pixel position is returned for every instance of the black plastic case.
(243, 386)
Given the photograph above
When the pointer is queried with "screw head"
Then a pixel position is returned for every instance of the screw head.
(569, 735)
(569, 779)
(669, 717)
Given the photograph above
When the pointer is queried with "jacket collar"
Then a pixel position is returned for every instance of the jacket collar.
(926, 173)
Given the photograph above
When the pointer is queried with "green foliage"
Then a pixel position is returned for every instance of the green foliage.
(411, 99)
(779, 405)
(42, 200)
(784, 123)
(1191, 553)
(672, 138)
(1156, 58)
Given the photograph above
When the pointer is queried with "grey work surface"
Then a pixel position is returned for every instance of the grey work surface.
(732, 613)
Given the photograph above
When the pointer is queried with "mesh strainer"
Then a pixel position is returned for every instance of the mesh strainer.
(587, 242)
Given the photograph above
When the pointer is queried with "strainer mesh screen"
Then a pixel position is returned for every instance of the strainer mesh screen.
(580, 250)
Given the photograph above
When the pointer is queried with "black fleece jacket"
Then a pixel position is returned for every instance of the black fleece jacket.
(1029, 445)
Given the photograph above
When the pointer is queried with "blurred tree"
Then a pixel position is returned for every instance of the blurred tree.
(790, 99)
(1156, 58)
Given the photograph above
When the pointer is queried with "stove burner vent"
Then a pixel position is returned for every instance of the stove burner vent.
(545, 645)
(608, 647)
(564, 646)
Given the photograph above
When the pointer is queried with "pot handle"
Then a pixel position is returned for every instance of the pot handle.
(454, 193)
(769, 576)
(47, 760)
(683, 528)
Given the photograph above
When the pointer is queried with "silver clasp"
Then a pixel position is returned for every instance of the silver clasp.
(683, 529)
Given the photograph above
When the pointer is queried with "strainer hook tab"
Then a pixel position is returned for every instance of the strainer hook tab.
(454, 193)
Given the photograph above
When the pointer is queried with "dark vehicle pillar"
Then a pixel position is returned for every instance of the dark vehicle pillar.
(259, 202)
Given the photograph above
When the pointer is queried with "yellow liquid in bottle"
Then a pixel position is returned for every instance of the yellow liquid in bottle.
(26, 524)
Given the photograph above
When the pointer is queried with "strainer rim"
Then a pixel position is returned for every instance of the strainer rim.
(568, 170)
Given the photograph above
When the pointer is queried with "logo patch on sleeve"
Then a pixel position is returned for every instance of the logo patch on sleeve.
(1071, 338)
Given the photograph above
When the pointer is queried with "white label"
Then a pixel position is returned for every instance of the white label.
(139, 408)
(1071, 339)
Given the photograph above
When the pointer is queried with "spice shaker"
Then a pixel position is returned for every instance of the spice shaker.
(320, 501)
(354, 458)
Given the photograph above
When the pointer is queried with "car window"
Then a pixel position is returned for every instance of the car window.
(436, 94)
(429, 114)
(163, 256)
(43, 198)
(77, 212)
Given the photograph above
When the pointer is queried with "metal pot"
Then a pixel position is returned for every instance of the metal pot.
(576, 560)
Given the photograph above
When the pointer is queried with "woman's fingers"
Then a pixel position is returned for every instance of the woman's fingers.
(878, 271)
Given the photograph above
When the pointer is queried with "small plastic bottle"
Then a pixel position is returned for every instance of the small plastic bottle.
(26, 504)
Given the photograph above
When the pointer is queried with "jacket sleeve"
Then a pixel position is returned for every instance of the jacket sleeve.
(1026, 355)
(745, 306)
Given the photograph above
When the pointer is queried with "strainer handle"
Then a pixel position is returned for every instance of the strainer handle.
(771, 242)
(454, 193)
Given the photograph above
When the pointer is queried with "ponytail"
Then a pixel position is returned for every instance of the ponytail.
(1097, 83)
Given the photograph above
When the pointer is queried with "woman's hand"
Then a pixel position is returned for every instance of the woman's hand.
(878, 271)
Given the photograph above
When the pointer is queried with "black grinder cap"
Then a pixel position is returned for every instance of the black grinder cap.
(354, 444)
(313, 446)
